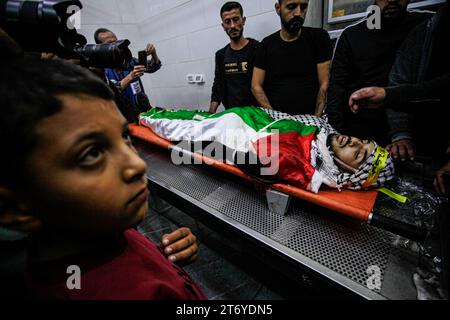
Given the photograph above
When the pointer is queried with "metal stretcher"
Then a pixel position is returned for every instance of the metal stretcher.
(331, 251)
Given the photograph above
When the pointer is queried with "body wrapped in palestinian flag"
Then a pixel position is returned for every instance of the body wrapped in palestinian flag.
(290, 149)
(284, 143)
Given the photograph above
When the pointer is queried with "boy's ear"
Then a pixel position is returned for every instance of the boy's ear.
(341, 164)
(15, 215)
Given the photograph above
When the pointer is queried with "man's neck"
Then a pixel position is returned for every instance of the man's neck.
(390, 23)
(289, 37)
(239, 44)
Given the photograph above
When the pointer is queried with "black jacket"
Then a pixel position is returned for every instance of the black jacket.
(419, 83)
(409, 83)
(363, 58)
(219, 88)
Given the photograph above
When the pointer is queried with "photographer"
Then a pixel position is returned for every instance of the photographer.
(129, 82)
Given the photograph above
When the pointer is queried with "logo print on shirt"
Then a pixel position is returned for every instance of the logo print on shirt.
(235, 68)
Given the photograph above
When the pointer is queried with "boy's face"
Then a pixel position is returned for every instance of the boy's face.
(85, 176)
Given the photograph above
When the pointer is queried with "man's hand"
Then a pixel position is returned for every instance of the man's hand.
(372, 97)
(150, 49)
(439, 180)
(213, 107)
(138, 71)
(180, 246)
(48, 56)
(402, 148)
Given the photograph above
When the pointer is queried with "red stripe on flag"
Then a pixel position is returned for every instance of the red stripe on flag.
(293, 153)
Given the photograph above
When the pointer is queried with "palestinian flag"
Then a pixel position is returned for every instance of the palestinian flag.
(281, 142)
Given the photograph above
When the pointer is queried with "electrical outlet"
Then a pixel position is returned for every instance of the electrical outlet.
(190, 78)
(199, 78)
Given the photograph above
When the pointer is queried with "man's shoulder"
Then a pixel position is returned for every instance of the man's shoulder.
(419, 15)
(253, 42)
(356, 28)
(221, 52)
(272, 38)
(317, 35)
(313, 29)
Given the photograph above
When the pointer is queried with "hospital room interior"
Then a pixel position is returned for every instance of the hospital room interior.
(224, 150)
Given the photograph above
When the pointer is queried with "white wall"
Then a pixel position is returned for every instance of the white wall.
(186, 33)
(117, 15)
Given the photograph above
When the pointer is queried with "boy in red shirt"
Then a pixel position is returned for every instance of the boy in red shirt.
(71, 178)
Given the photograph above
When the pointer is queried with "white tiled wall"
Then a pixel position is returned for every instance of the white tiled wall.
(116, 15)
(186, 33)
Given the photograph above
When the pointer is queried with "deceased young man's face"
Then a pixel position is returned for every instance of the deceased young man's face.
(350, 150)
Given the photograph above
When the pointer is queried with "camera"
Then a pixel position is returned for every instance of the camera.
(109, 55)
(45, 26)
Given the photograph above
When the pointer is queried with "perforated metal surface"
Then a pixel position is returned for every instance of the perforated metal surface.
(346, 250)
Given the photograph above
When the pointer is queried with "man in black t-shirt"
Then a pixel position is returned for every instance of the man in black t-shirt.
(234, 62)
(291, 71)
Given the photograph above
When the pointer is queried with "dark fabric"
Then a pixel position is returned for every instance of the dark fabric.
(131, 267)
(129, 110)
(221, 87)
(419, 83)
(421, 71)
(291, 81)
(440, 54)
(12, 270)
(363, 58)
(413, 96)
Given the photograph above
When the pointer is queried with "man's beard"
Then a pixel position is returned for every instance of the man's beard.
(239, 34)
(294, 25)
(387, 14)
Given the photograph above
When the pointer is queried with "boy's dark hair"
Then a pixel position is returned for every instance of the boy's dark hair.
(97, 32)
(230, 5)
(29, 90)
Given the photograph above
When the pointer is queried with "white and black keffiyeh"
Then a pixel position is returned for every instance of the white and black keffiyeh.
(306, 119)
(357, 180)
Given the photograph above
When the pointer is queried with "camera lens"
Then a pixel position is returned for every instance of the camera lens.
(41, 26)
(109, 55)
(30, 11)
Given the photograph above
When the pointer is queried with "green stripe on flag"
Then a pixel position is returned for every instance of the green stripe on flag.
(253, 117)
(157, 113)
